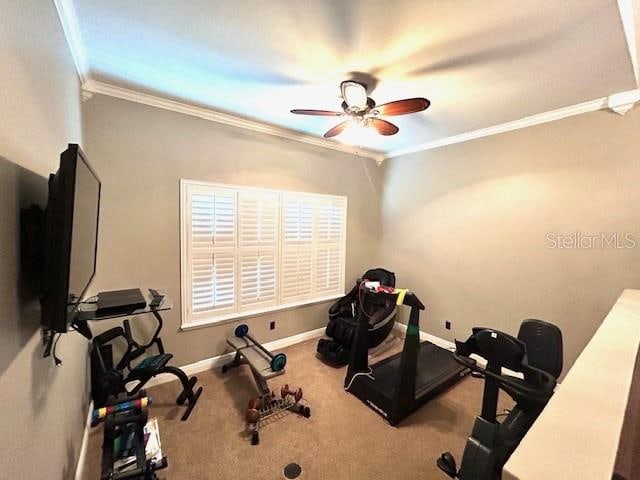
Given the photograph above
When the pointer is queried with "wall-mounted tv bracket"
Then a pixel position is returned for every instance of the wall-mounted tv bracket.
(32, 248)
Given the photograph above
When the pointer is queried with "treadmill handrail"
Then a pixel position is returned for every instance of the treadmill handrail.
(410, 299)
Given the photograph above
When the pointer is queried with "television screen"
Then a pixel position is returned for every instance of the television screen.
(83, 231)
(71, 238)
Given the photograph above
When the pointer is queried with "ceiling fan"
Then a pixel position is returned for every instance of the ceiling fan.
(363, 111)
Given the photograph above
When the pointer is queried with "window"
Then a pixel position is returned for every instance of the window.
(247, 251)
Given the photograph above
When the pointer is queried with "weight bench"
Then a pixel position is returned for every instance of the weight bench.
(264, 366)
(258, 361)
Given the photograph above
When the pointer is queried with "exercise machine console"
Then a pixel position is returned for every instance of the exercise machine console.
(537, 355)
(400, 384)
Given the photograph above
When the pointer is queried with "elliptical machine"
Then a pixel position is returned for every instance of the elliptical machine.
(537, 354)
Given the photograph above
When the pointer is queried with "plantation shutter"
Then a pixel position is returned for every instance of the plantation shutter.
(329, 254)
(258, 248)
(213, 249)
(248, 251)
(297, 248)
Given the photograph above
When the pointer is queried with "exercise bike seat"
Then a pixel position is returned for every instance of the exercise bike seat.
(149, 367)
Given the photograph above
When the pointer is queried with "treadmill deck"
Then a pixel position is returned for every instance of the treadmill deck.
(436, 365)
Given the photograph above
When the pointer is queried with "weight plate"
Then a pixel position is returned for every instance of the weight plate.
(241, 330)
(278, 362)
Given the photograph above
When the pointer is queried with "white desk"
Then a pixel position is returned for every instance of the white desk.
(576, 436)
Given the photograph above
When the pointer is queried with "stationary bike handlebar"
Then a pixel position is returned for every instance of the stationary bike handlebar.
(532, 393)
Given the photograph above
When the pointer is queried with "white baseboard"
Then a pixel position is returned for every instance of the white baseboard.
(441, 342)
(219, 360)
(82, 458)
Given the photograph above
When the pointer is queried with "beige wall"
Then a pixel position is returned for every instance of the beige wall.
(42, 408)
(141, 153)
(466, 226)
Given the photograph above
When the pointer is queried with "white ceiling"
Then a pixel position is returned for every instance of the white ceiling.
(480, 62)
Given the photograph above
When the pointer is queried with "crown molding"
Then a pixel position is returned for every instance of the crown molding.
(91, 87)
(619, 103)
(71, 28)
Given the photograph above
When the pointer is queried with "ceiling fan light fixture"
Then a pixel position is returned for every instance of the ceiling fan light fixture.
(362, 114)
(354, 94)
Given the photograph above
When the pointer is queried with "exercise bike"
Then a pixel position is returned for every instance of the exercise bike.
(537, 354)
(109, 379)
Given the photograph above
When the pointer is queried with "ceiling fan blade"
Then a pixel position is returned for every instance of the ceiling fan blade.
(402, 107)
(383, 127)
(336, 130)
(322, 113)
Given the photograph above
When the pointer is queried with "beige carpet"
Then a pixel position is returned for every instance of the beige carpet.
(343, 439)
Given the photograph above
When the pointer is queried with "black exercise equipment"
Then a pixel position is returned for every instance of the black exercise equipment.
(109, 379)
(398, 385)
(537, 354)
(344, 314)
(124, 437)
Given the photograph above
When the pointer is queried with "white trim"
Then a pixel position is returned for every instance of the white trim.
(441, 342)
(190, 320)
(622, 102)
(235, 316)
(82, 458)
(219, 360)
(560, 113)
(71, 28)
(93, 86)
(203, 183)
(628, 24)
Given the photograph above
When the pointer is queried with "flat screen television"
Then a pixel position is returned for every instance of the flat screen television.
(71, 238)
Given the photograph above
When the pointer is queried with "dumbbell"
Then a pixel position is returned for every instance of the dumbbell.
(253, 410)
(252, 415)
(296, 394)
(304, 411)
(278, 361)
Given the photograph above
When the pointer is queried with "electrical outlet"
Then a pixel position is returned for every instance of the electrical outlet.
(447, 325)
(272, 326)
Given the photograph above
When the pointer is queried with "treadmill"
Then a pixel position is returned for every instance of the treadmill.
(398, 385)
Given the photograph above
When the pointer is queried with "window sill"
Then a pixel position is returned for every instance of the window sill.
(235, 316)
